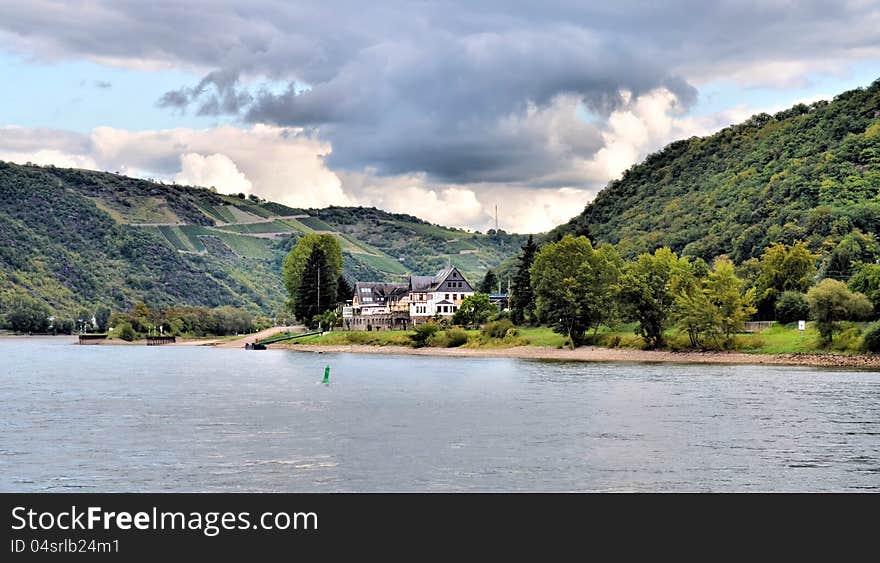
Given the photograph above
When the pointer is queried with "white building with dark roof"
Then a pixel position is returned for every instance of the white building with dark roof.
(386, 306)
(439, 295)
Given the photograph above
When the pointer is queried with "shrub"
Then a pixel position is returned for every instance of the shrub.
(499, 329)
(792, 306)
(831, 302)
(871, 341)
(422, 333)
(125, 331)
(474, 310)
(849, 339)
(456, 337)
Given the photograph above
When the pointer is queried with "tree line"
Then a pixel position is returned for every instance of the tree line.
(141, 321)
(25, 314)
(575, 288)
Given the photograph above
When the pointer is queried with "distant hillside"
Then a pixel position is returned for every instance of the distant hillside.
(77, 238)
(809, 173)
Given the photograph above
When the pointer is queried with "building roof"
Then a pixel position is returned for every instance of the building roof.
(379, 293)
(421, 283)
(431, 283)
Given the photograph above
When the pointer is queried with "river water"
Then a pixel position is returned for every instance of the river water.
(131, 418)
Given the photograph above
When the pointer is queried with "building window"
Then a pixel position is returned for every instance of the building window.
(447, 296)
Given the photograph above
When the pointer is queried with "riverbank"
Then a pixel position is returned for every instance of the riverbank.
(73, 338)
(531, 351)
(595, 354)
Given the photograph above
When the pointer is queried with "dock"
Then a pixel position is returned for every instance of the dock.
(91, 338)
(160, 340)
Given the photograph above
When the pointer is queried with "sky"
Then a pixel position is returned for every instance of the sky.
(442, 110)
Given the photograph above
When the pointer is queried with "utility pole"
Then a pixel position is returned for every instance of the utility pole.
(318, 292)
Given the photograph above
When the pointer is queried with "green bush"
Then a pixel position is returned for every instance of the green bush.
(849, 340)
(871, 341)
(499, 329)
(422, 333)
(456, 337)
(792, 306)
(125, 331)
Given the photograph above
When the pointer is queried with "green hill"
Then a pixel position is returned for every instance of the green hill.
(77, 238)
(809, 173)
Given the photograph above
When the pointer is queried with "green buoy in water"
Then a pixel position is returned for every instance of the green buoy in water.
(326, 375)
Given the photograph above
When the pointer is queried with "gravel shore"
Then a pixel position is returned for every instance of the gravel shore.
(593, 354)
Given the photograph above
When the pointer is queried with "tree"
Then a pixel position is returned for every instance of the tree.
(474, 310)
(344, 291)
(575, 285)
(26, 314)
(650, 288)
(230, 320)
(853, 249)
(783, 268)
(867, 280)
(792, 306)
(731, 303)
(522, 298)
(694, 313)
(142, 318)
(125, 331)
(871, 342)
(327, 320)
(311, 275)
(489, 283)
(831, 302)
(84, 321)
(102, 317)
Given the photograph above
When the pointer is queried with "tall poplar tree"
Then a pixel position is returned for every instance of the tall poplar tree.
(311, 274)
(489, 283)
(522, 298)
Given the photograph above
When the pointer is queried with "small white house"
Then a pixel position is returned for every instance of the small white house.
(441, 294)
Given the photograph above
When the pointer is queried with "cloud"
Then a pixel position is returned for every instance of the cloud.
(464, 92)
(216, 170)
(442, 110)
(281, 164)
(290, 165)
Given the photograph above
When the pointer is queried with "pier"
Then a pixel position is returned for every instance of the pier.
(160, 340)
(92, 338)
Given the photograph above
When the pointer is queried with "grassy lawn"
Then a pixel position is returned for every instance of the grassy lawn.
(782, 340)
(541, 336)
(776, 340)
(346, 337)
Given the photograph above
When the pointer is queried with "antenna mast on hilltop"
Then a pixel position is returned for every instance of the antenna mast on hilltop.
(496, 218)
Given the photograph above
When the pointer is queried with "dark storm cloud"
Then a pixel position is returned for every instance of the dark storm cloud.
(215, 94)
(466, 91)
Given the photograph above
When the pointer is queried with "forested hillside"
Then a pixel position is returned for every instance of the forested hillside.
(810, 173)
(74, 239)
